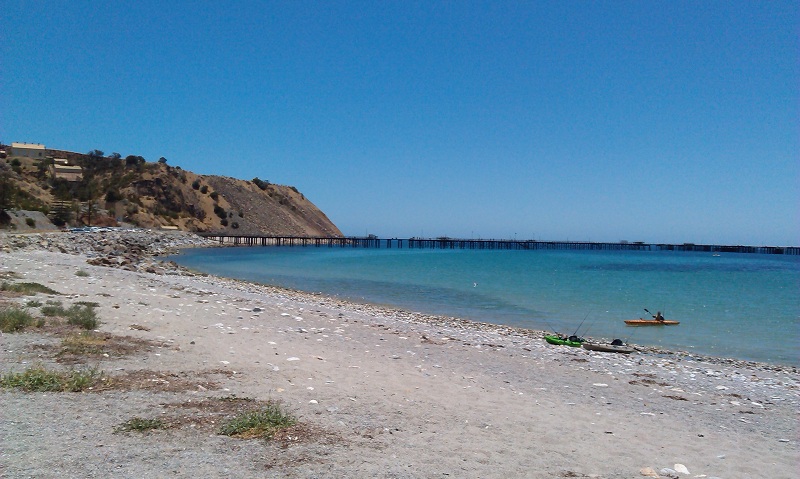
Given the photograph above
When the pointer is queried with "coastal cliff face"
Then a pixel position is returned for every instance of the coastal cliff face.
(153, 195)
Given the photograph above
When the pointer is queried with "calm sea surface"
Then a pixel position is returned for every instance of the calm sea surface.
(744, 306)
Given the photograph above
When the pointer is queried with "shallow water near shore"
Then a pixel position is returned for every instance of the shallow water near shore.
(743, 306)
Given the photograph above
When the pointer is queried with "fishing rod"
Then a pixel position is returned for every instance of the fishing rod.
(579, 326)
(627, 339)
(550, 326)
(588, 327)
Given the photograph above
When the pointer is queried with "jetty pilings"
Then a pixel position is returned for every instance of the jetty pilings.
(482, 244)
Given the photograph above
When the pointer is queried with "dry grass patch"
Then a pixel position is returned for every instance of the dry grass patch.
(161, 381)
(242, 418)
(247, 418)
(138, 424)
(88, 345)
(78, 346)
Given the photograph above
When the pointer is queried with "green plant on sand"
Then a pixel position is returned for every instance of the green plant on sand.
(81, 314)
(26, 288)
(39, 379)
(262, 423)
(140, 425)
(14, 319)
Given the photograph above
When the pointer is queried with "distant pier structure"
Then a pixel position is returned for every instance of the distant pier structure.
(482, 244)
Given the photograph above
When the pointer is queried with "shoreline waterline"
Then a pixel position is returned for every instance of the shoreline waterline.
(444, 320)
(151, 251)
(380, 379)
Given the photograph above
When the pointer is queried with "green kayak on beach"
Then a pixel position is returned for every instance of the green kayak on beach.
(573, 341)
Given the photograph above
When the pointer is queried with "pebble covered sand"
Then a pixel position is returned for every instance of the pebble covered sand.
(379, 393)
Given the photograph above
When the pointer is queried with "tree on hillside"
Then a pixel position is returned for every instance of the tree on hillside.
(162, 160)
(133, 160)
(115, 156)
(63, 196)
(96, 154)
(89, 193)
(7, 188)
(42, 166)
(262, 184)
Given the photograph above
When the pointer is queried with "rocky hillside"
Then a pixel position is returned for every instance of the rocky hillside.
(133, 191)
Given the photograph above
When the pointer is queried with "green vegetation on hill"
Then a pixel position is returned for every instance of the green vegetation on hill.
(112, 189)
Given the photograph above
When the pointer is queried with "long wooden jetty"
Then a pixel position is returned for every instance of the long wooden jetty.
(482, 244)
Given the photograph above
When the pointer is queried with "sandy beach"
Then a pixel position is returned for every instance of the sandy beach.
(379, 393)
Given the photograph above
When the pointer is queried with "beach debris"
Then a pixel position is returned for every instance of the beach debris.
(648, 472)
(680, 468)
(293, 359)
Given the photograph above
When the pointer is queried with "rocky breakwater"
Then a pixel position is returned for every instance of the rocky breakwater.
(130, 249)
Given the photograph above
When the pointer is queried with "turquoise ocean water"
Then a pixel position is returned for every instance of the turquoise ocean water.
(744, 306)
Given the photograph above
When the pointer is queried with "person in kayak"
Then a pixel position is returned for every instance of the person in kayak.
(659, 317)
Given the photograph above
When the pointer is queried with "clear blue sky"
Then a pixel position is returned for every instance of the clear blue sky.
(603, 121)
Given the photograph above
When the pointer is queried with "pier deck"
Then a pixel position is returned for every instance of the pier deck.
(483, 244)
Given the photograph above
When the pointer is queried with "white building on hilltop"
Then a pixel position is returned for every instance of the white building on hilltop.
(28, 150)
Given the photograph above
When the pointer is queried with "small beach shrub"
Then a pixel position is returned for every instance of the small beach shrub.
(30, 222)
(53, 308)
(140, 425)
(81, 273)
(83, 316)
(14, 319)
(39, 379)
(33, 303)
(262, 423)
